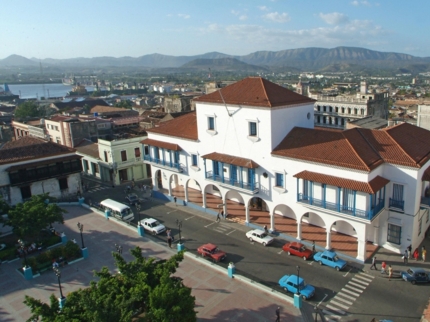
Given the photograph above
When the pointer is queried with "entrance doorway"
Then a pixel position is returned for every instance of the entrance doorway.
(123, 175)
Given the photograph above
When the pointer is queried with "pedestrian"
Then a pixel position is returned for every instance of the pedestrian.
(174, 199)
(169, 241)
(405, 257)
(120, 249)
(374, 263)
(222, 214)
(423, 253)
(265, 229)
(383, 266)
(217, 217)
(416, 254)
(313, 247)
(409, 251)
(390, 272)
(278, 318)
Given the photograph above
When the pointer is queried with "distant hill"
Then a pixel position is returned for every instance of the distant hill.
(222, 64)
(309, 59)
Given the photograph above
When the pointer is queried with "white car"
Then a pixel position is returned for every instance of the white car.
(152, 225)
(259, 236)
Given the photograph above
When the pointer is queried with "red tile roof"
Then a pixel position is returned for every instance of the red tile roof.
(255, 91)
(231, 159)
(29, 148)
(161, 144)
(369, 187)
(184, 126)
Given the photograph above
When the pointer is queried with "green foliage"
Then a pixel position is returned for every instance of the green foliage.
(124, 104)
(29, 218)
(8, 254)
(29, 109)
(71, 250)
(145, 287)
(51, 240)
(56, 252)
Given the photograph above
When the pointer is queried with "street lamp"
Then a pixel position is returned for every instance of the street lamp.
(316, 312)
(179, 224)
(81, 227)
(22, 247)
(298, 278)
(58, 273)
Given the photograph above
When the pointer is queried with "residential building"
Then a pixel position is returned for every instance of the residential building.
(35, 128)
(334, 111)
(251, 149)
(32, 166)
(423, 119)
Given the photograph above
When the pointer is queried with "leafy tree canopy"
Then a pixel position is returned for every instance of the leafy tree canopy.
(29, 218)
(145, 290)
(29, 109)
(124, 104)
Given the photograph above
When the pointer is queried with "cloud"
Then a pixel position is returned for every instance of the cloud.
(277, 17)
(334, 18)
(238, 14)
(360, 3)
(181, 15)
(263, 8)
(243, 17)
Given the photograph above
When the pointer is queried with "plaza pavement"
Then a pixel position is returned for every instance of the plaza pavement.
(218, 297)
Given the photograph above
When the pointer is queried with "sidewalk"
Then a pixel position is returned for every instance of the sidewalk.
(218, 297)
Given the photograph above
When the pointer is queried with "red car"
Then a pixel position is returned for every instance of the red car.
(297, 249)
(211, 251)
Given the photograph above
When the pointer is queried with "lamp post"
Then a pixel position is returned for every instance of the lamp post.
(298, 278)
(58, 273)
(179, 224)
(22, 247)
(316, 313)
(81, 227)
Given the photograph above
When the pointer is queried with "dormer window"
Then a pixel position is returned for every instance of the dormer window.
(253, 130)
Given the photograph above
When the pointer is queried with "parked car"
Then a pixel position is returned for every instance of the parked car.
(330, 258)
(212, 251)
(416, 275)
(297, 249)
(259, 236)
(152, 225)
(132, 199)
(290, 283)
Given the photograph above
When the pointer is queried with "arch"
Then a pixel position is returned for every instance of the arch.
(285, 220)
(174, 181)
(212, 197)
(235, 205)
(256, 203)
(193, 192)
(158, 178)
(343, 227)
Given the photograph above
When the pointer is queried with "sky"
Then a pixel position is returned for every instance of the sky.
(92, 28)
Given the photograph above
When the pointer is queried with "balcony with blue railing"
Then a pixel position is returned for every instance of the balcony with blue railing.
(344, 209)
(231, 182)
(398, 204)
(163, 163)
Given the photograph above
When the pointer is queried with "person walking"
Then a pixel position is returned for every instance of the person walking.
(423, 253)
(278, 318)
(265, 229)
(405, 257)
(409, 251)
(390, 272)
(374, 263)
(217, 217)
(313, 247)
(169, 241)
(383, 267)
(416, 254)
(174, 199)
(222, 214)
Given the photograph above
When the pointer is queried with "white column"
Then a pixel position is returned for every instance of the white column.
(328, 246)
(186, 193)
(299, 229)
(272, 222)
(376, 235)
(247, 214)
(204, 199)
(361, 250)
(155, 183)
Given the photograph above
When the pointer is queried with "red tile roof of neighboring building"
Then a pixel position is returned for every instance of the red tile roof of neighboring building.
(255, 91)
(88, 147)
(231, 159)
(184, 126)
(28, 148)
(161, 144)
(371, 187)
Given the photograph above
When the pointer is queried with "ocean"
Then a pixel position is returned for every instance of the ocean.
(38, 90)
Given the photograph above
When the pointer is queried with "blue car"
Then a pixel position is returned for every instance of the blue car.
(330, 258)
(289, 283)
(416, 275)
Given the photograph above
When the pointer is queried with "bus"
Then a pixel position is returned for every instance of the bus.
(117, 209)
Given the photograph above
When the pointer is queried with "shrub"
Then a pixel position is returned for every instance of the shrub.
(43, 257)
(52, 240)
(56, 252)
(71, 250)
(8, 254)
(32, 262)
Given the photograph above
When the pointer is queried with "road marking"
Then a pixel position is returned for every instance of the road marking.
(364, 278)
(356, 285)
(346, 273)
(350, 292)
(189, 217)
(310, 263)
(231, 232)
(322, 299)
(339, 304)
(210, 224)
(360, 281)
(171, 212)
(372, 277)
(347, 296)
(335, 309)
(338, 298)
(280, 252)
(331, 314)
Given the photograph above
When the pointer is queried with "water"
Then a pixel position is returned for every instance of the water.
(36, 90)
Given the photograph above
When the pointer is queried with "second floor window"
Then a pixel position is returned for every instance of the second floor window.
(137, 152)
(252, 129)
(211, 123)
(194, 160)
(279, 180)
(106, 156)
(397, 192)
(124, 155)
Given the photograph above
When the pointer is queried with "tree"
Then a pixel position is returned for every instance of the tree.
(145, 290)
(124, 104)
(29, 218)
(29, 109)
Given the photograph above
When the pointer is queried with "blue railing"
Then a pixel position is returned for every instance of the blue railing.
(400, 204)
(165, 163)
(232, 182)
(345, 209)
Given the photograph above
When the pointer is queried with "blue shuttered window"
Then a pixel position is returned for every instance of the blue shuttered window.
(279, 180)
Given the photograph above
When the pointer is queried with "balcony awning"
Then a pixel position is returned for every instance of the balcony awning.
(371, 187)
(230, 159)
(161, 144)
(44, 162)
(426, 175)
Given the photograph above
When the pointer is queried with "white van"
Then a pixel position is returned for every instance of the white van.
(117, 209)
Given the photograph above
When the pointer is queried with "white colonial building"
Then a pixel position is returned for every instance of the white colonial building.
(252, 145)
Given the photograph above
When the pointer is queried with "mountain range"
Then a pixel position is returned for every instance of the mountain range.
(309, 59)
